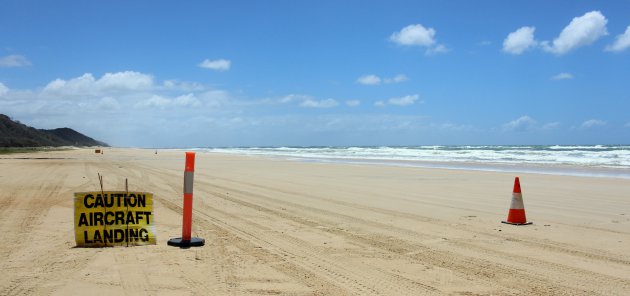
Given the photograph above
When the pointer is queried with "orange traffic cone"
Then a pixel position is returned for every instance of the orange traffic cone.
(516, 215)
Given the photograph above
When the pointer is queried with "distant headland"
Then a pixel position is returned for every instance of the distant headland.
(16, 134)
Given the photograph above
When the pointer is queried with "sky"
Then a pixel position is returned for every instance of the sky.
(176, 74)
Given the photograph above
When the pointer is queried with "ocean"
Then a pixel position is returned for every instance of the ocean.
(594, 160)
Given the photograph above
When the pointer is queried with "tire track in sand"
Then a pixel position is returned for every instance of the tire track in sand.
(509, 276)
(361, 281)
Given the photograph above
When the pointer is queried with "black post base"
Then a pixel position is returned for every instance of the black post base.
(193, 242)
(512, 223)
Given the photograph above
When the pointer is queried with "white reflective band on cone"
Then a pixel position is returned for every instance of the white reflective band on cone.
(517, 201)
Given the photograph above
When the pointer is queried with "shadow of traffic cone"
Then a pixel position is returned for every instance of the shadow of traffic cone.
(516, 215)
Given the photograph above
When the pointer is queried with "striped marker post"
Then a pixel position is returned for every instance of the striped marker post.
(516, 215)
(186, 240)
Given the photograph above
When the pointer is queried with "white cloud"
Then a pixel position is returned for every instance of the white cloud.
(307, 101)
(3, 89)
(523, 123)
(210, 98)
(155, 101)
(551, 126)
(294, 97)
(593, 123)
(353, 103)
(188, 100)
(108, 103)
(440, 48)
(622, 42)
(562, 76)
(519, 41)
(14, 60)
(403, 101)
(414, 35)
(369, 80)
(127, 80)
(181, 85)
(399, 101)
(108, 83)
(375, 80)
(327, 103)
(218, 65)
(215, 98)
(397, 79)
(418, 35)
(627, 124)
(583, 30)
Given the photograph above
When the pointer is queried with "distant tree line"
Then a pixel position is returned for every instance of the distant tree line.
(15, 134)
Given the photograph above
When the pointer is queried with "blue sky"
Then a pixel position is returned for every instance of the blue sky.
(280, 73)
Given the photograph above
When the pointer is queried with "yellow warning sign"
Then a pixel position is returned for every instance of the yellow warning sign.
(113, 218)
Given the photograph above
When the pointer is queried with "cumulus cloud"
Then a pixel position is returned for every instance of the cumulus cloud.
(295, 97)
(523, 123)
(327, 103)
(108, 83)
(127, 80)
(397, 79)
(622, 42)
(551, 126)
(399, 101)
(583, 30)
(562, 76)
(591, 123)
(403, 101)
(369, 80)
(353, 103)
(218, 65)
(519, 41)
(162, 102)
(307, 101)
(14, 60)
(3, 89)
(418, 35)
(439, 48)
(215, 98)
(154, 101)
(108, 103)
(181, 85)
(376, 80)
(414, 35)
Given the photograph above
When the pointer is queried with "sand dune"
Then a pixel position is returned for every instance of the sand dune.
(295, 228)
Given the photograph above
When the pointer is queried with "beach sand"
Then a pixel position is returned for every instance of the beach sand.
(275, 226)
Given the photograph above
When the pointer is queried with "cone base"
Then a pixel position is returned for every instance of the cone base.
(514, 223)
(193, 242)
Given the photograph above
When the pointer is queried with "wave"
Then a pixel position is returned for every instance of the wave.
(604, 156)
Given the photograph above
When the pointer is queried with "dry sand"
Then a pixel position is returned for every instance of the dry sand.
(295, 228)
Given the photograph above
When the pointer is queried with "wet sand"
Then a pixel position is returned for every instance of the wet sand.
(274, 226)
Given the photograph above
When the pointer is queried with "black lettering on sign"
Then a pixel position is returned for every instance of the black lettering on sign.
(83, 220)
(88, 201)
(114, 199)
(116, 236)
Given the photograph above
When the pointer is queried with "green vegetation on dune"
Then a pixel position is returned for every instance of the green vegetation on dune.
(16, 134)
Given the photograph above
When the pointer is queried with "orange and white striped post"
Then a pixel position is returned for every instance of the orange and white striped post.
(186, 240)
(516, 215)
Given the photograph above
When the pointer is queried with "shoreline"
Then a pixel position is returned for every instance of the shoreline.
(550, 169)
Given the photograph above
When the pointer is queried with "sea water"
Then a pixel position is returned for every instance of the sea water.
(594, 160)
